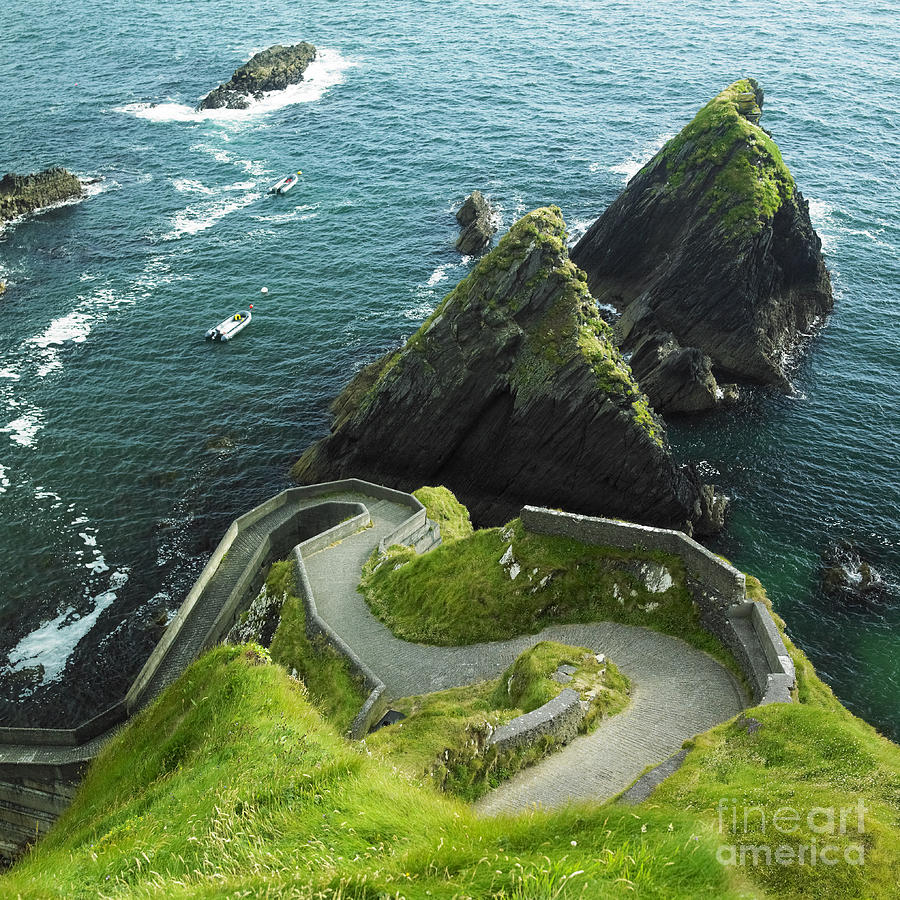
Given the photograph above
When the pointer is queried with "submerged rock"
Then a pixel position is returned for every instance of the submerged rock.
(848, 575)
(512, 392)
(710, 246)
(269, 70)
(20, 194)
(476, 219)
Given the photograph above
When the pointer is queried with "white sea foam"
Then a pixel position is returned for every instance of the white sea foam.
(577, 228)
(326, 71)
(638, 158)
(203, 215)
(72, 328)
(53, 643)
(41, 354)
(296, 214)
(4, 479)
(821, 214)
(23, 430)
(191, 186)
(440, 274)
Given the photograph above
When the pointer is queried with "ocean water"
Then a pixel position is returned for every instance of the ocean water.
(127, 443)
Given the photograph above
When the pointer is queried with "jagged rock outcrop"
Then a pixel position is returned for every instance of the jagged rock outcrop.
(710, 247)
(477, 223)
(269, 70)
(513, 392)
(20, 194)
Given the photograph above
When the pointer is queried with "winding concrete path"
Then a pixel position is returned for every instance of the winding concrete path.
(678, 690)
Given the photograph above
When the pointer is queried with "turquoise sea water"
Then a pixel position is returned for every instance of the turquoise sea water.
(127, 443)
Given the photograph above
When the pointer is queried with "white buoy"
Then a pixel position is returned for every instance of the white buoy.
(264, 290)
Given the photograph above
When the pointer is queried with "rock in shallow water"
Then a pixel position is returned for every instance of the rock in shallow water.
(848, 575)
(20, 194)
(269, 70)
(476, 219)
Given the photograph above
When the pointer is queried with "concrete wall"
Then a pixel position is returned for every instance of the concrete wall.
(317, 627)
(705, 566)
(559, 718)
(720, 593)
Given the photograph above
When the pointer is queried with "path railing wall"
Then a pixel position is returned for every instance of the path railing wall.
(745, 626)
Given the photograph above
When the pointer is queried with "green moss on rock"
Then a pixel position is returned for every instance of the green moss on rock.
(749, 179)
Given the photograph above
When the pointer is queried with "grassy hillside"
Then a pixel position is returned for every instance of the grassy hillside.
(231, 784)
(464, 592)
(335, 689)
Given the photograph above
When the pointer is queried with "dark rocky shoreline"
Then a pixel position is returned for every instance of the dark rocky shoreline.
(513, 392)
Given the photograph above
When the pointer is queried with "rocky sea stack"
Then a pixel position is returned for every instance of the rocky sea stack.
(711, 256)
(269, 70)
(477, 222)
(513, 392)
(20, 194)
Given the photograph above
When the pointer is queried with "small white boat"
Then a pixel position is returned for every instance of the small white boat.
(226, 330)
(285, 184)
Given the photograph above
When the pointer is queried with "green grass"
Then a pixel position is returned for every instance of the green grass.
(461, 594)
(231, 784)
(813, 754)
(442, 738)
(441, 506)
(332, 685)
(735, 164)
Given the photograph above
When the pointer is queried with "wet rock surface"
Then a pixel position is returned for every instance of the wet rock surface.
(476, 219)
(21, 194)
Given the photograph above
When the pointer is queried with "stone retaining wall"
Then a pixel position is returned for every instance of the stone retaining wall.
(316, 626)
(559, 718)
(720, 593)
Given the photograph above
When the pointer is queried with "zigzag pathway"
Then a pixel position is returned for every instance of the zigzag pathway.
(679, 691)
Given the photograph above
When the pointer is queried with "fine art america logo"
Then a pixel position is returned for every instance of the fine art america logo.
(826, 835)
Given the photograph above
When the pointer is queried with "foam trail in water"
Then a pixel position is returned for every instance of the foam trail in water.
(820, 214)
(51, 645)
(204, 215)
(326, 71)
(638, 158)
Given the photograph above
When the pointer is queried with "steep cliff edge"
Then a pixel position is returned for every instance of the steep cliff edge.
(269, 70)
(710, 249)
(513, 392)
(20, 194)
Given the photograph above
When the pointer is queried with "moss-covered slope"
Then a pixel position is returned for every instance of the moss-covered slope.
(711, 243)
(511, 392)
